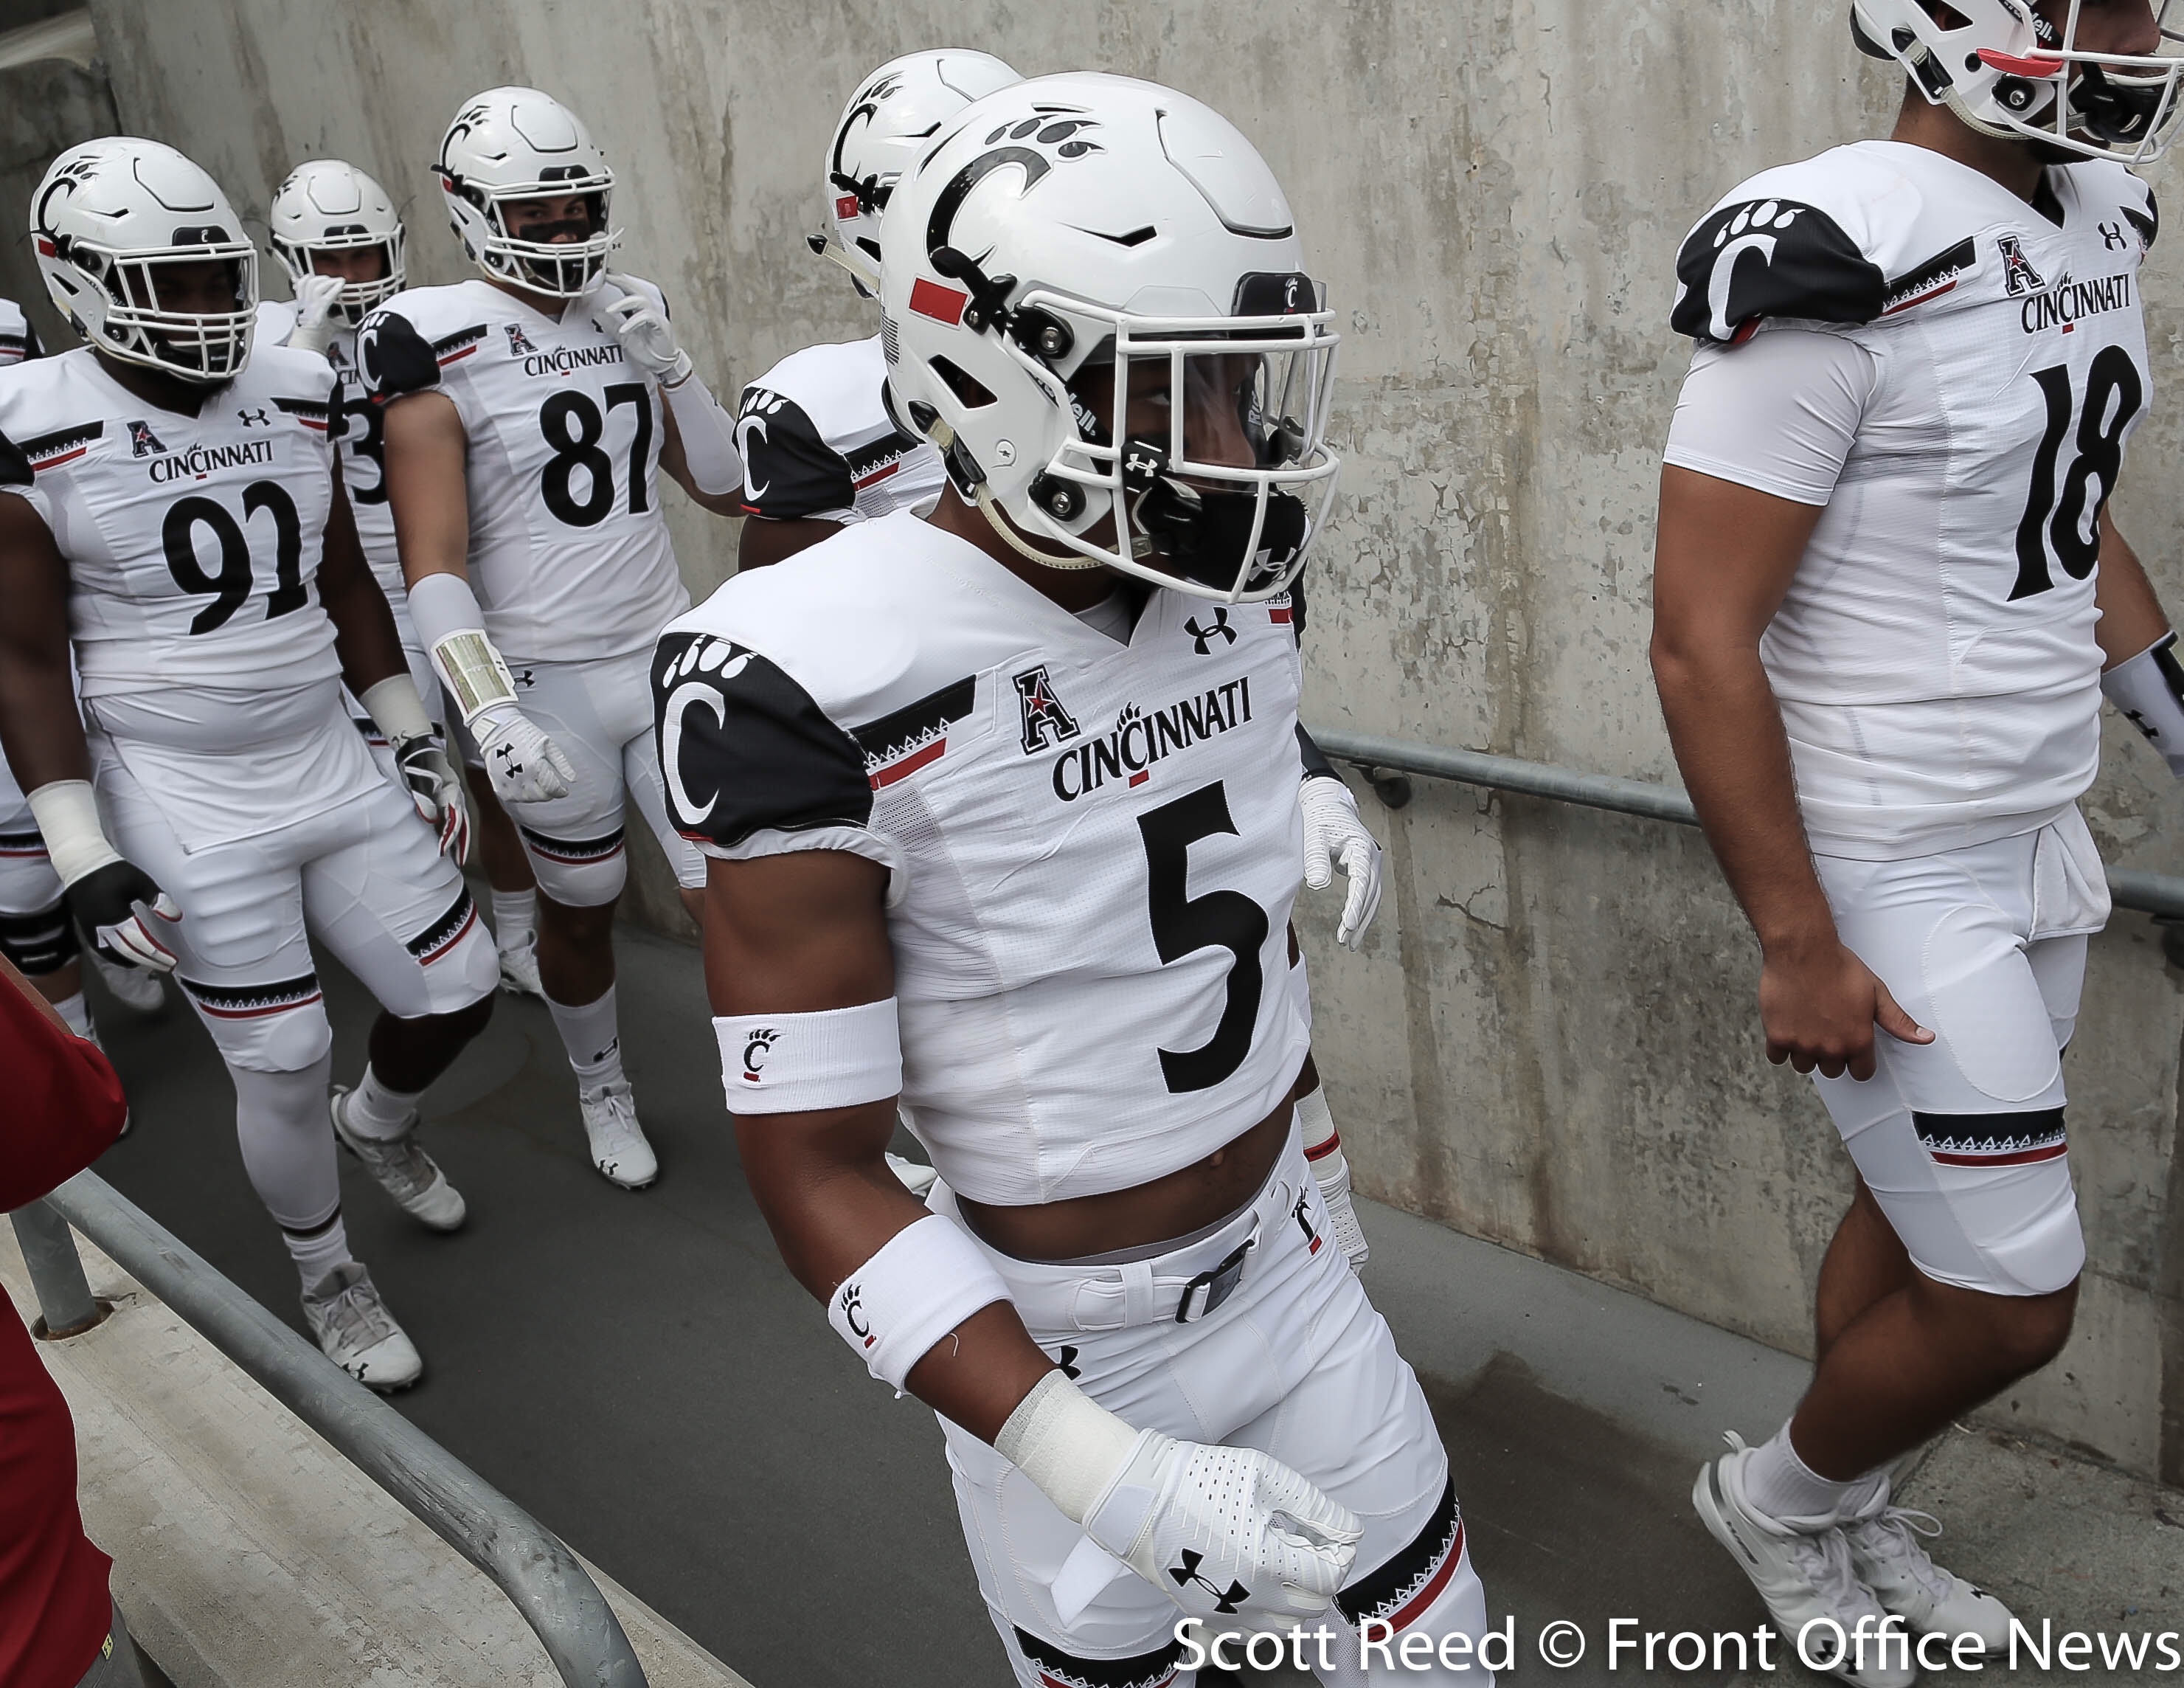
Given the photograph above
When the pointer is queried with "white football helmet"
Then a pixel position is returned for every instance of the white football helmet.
(1120, 236)
(507, 144)
(893, 121)
(109, 215)
(2006, 70)
(329, 206)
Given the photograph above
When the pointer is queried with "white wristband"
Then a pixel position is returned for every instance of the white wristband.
(925, 1281)
(67, 818)
(446, 613)
(395, 709)
(1067, 1443)
(709, 436)
(2148, 688)
(799, 1063)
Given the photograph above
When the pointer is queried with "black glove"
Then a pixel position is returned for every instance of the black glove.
(126, 916)
(438, 794)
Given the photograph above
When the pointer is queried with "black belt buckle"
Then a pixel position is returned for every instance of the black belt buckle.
(1218, 1284)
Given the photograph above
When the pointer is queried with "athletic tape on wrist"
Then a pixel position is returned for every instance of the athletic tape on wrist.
(2149, 690)
(799, 1063)
(924, 1282)
(1067, 1443)
(67, 813)
(395, 709)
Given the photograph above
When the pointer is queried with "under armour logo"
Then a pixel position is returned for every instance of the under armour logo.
(259, 418)
(2113, 236)
(1205, 637)
(1224, 1600)
(524, 677)
(1068, 1361)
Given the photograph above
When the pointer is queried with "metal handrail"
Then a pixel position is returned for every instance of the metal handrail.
(532, 1566)
(2157, 894)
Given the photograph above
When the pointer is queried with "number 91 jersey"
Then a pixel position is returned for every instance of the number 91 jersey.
(1093, 846)
(1967, 370)
(191, 541)
(569, 555)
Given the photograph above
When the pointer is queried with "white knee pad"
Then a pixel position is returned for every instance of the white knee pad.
(577, 873)
(288, 1144)
(279, 1028)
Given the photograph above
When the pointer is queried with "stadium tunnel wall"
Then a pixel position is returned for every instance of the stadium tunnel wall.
(1550, 1038)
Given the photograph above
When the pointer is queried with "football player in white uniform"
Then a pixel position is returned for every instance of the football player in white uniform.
(821, 449)
(338, 234)
(1888, 597)
(177, 515)
(525, 416)
(1001, 831)
(36, 932)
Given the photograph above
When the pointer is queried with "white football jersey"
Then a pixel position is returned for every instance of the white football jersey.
(363, 473)
(1094, 844)
(18, 340)
(569, 555)
(1934, 657)
(817, 441)
(192, 542)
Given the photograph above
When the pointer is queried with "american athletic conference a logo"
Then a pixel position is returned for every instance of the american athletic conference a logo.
(1044, 714)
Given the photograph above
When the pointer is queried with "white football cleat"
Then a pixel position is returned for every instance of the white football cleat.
(519, 968)
(357, 1333)
(134, 988)
(402, 1169)
(619, 1149)
(1889, 1560)
(915, 1179)
(1802, 1570)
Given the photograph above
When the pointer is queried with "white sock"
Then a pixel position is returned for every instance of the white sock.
(1783, 1486)
(318, 1251)
(374, 1111)
(77, 1012)
(589, 1033)
(515, 918)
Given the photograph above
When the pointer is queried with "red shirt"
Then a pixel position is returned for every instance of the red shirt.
(62, 1107)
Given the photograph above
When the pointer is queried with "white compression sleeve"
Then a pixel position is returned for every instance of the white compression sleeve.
(67, 814)
(448, 619)
(709, 436)
(2148, 688)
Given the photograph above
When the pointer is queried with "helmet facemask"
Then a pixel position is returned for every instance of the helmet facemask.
(207, 348)
(1218, 495)
(534, 259)
(357, 299)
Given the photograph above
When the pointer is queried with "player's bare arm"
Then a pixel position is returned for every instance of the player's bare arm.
(764, 542)
(1725, 557)
(39, 724)
(804, 934)
(363, 626)
(427, 488)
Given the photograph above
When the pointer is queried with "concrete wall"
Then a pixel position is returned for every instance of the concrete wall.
(1550, 1040)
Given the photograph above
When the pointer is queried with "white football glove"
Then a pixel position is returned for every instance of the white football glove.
(647, 338)
(1333, 833)
(1224, 1531)
(524, 765)
(433, 787)
(1221, 1531)
(316, 296)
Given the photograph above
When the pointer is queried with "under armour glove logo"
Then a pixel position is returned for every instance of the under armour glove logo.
(1205, 636)
(1187, 1572)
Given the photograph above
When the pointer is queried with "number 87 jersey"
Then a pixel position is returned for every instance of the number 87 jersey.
(192, 542)
(1952, 372)
(569, 551)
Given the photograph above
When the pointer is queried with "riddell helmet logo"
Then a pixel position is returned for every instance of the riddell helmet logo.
(1043, 712)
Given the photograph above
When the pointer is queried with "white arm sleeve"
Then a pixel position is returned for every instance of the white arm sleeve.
(1778, 413)
(709, 436)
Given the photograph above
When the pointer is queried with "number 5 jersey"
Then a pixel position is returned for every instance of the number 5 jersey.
(569, 555)
(1952, 372)
(1093, 844)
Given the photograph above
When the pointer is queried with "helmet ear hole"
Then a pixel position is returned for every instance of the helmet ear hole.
(968, 389)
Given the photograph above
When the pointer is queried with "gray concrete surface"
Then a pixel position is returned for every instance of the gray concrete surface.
(249, 1554)
(640, 1372)
(1548, 1041)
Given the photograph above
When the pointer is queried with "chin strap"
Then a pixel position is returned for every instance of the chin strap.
(1072, 562)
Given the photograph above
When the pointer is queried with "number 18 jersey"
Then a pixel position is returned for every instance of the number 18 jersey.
(569, 555)
(1094, 844)
(1954, 373)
